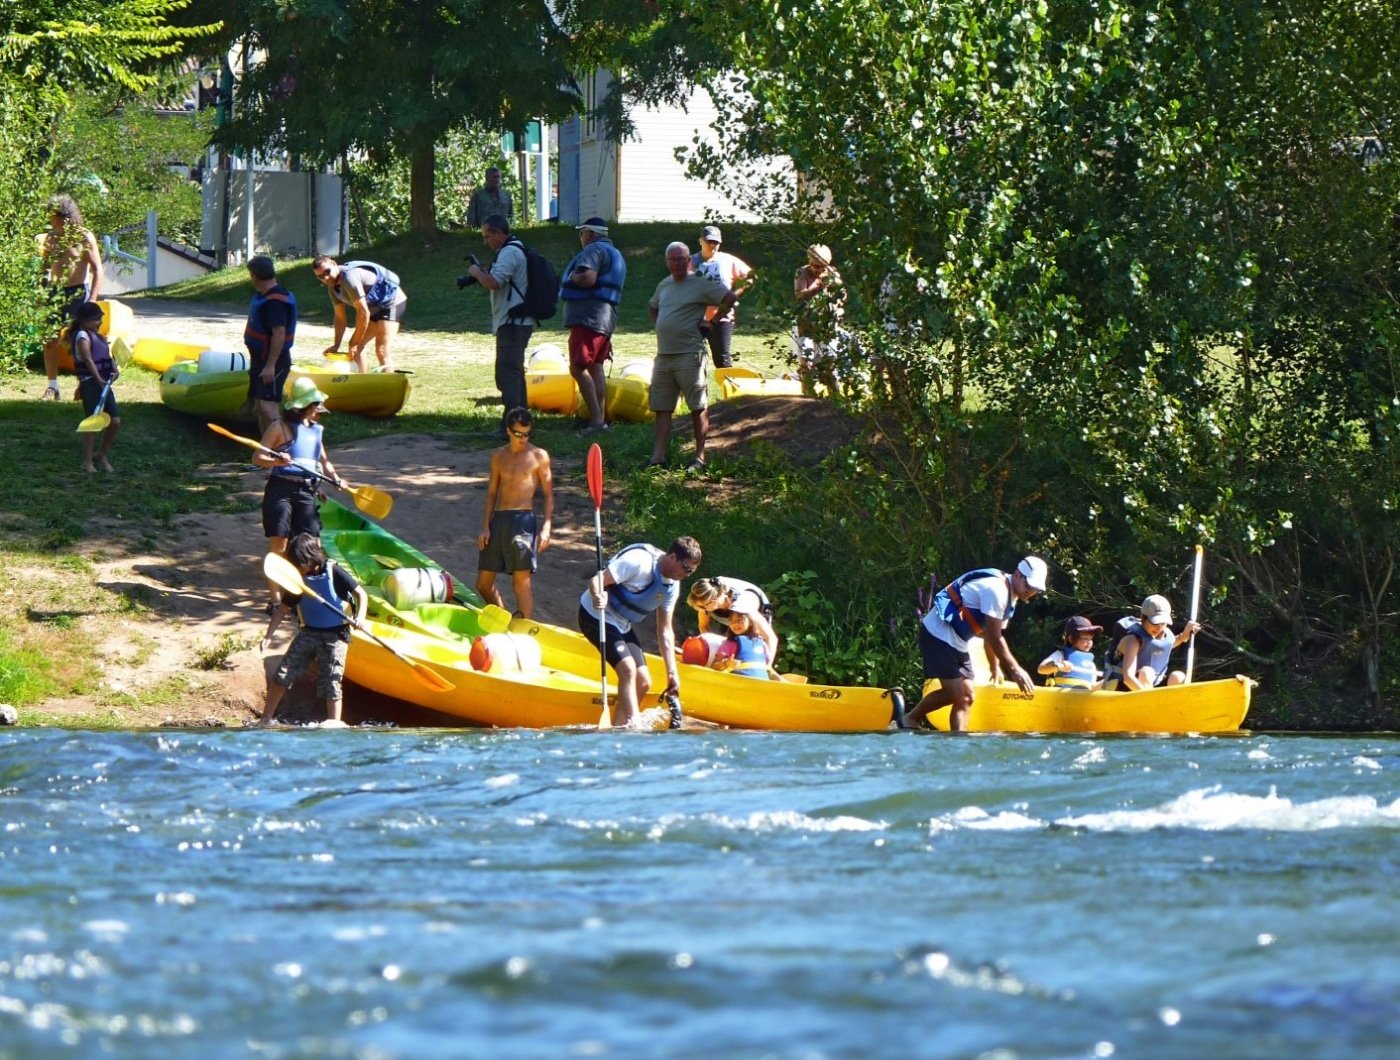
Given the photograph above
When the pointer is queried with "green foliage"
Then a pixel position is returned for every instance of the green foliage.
(22, 318)
(113, 153)
(1121, 281)
(24, 674)
(840, 639)
(216, 656)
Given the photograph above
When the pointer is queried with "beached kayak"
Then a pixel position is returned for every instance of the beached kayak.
(743, 382)
(501, 678)
(373, 554)
(208, 387)
(628, 393)
(1202, 706)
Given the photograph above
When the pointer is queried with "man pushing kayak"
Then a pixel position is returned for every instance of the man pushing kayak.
(977, 604)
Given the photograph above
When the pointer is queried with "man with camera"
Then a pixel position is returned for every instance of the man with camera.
(591, 289)
(505, 280)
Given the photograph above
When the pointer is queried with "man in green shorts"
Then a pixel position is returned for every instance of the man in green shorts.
(678, 310)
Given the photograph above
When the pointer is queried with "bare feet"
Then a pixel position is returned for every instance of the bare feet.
(90, 469)
(106, 465)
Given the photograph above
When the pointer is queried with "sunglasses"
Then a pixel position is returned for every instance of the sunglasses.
(519, 434)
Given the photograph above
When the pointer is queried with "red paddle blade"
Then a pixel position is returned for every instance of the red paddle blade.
(595, 474)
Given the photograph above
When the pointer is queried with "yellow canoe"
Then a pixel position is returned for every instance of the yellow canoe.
(372, 553)
(743, 382)
(535, 699)
(1202, 706)
(158, 355)
(377, 394)
(629, 388)
(118, 322)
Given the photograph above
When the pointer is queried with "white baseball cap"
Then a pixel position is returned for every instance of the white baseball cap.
(1034, 570)
(1157, 609)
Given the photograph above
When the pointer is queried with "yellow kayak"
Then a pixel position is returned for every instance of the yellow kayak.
(373, 555)
(743, 382)
(552, 389)
(215, 386)
(1202, 706)
(377, 394)
(158, 355)
(535, 699)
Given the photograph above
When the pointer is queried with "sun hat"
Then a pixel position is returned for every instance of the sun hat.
(87, 311)
(820, 252)
(303, 393)
(1079, 624)
(1034, 570)
(1157, 609)
(595, 225)
(711, 234)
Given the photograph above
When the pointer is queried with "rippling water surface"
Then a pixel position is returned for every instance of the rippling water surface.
(436, 894)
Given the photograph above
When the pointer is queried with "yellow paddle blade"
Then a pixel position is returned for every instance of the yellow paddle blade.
(387, 562)
(95, 424)
(494, 618)
(279, 569)
(375, 503)
(121, 352)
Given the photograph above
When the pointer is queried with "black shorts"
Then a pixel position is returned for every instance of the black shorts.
(90, 391)
(65, 301)
(260, 391)
(941, 659)
(512, 544)
(393, 311)
(289, 508)
(615, 642)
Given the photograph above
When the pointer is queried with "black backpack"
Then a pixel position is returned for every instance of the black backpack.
(540, 299)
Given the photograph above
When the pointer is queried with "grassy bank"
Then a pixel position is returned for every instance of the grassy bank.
(58, 520)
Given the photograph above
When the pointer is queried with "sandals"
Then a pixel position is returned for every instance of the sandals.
(50, 393)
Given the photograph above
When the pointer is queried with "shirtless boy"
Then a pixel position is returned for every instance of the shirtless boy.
(72, 276)
(511, 537)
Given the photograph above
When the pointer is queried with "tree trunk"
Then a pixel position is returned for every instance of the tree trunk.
(422, 210)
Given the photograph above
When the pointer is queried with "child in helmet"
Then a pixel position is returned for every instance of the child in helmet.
(1071, 665)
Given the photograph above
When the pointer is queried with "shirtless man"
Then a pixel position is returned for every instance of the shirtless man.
(72, 276)
(510, 536)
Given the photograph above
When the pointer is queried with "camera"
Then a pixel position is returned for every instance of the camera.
(463, 282)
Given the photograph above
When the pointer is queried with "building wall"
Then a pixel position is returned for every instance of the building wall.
(295, 215)
(122, 277)
(641, 180)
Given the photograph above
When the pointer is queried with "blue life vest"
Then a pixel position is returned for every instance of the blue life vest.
(1154, 652)
(967, 622)
(750, 657)
(256, 332)
(101, 356)
(1082, 674)
(380, 293)
(608, 285)
(316, 615)
(305, 450)
(635, 604)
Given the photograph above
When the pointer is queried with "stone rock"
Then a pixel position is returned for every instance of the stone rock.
(8, 715)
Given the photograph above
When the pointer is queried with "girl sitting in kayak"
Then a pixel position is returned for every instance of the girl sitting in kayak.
(1071, 665)
(744, 652)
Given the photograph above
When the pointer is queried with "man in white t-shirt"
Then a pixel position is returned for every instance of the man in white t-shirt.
(638, 580)
(977, 604)
(505, 280)
(734, 273)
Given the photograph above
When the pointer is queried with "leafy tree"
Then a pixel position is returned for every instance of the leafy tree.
(1121, 280)
(331, 79)
(48, 48)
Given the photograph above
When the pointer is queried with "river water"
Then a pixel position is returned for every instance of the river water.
(419, 893)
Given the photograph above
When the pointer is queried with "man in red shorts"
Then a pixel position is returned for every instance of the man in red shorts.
(591, 289)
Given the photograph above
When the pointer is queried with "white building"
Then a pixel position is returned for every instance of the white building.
(641, 179)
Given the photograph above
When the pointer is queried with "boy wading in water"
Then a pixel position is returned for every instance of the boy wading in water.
(511, 537)
(325, 631)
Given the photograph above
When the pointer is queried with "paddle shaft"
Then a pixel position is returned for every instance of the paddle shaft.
(285, 574)
(100, 419)
(595, 490)
(376, 502)
(1195, 610)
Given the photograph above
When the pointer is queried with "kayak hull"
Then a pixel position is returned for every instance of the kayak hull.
(736, 382)
(1199, 707)
(223, 395)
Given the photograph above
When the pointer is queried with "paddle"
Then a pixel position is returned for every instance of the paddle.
(595, 490)
(1195, 610)
(279, 569)
(375, 503)
(99, 421)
